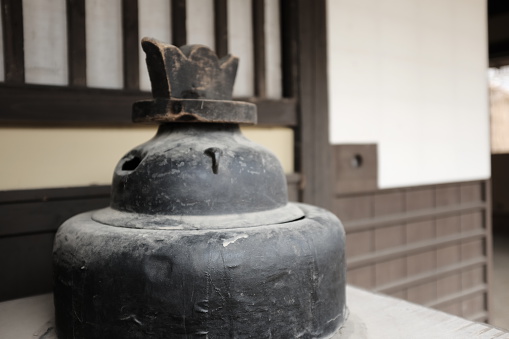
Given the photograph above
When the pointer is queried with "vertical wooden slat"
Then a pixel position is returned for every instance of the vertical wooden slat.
(221, 27)
(14, 58)
(315, 145)
(258, 8)
(76, 42)
(178, 22)
(130, 44)
(487, 196)
(289, 47)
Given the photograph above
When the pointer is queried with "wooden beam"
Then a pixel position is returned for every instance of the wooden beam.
(313, 156)
(130, 44)
(37, 105)
(221, 27)
(53, 194)
(178, 22)
(289, 47)
(258, 10)
(76, 42)
(275, 112)
(487, 196)
(14, 58)
(40, 105)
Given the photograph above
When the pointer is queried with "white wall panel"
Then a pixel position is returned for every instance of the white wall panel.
(410, 75)
(273, 49)
(153, 21)
(45, 42)
(240, 44)
(104, 43)
(200, 22)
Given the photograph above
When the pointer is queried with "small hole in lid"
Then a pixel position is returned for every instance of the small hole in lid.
(131, 164)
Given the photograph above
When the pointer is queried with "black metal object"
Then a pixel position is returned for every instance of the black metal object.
(199, 239)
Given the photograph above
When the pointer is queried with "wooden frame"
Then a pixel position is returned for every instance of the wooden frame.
(14, 58)
(23, 105)
(76, 40)
(77, 105)
(304, 42)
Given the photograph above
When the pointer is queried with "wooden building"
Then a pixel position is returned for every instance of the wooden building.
(378, 110)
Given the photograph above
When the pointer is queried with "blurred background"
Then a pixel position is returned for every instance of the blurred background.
(394, 114)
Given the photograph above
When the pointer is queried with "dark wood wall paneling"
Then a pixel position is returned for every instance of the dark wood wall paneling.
(500, 180)
(312, 157)
(289, 47)
(221, 27)
(130, 45)
(14, 57)
(258, 11)
(76, 40)
(178, 22)
(28, 221)
(498, 35)
(429, 244)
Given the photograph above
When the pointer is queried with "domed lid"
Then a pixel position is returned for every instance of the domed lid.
(198, 171)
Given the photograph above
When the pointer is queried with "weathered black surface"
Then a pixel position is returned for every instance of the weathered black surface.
(199, 239)
(194, 110)
(276, 281)
(193, 73)
(189, 72)
(173, 174)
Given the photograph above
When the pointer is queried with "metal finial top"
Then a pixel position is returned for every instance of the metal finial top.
(189, 72)
(190, 84)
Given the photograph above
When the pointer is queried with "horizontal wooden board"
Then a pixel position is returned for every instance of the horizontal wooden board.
(38, 105)
(427, 244)
(26, 265)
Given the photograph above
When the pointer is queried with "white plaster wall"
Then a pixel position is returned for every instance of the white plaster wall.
(410, 75)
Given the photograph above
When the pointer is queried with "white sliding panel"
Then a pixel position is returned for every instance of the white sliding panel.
(240, 44)
(273, 50)
(200, 22)
(104, 43)
(45, 42)
(154, 22)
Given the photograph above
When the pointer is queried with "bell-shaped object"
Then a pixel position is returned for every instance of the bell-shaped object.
(199, 239)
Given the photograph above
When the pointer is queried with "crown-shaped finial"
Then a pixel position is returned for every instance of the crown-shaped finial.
(191, 84)
(189, 72)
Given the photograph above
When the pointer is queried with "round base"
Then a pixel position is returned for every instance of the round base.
(274, 281)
